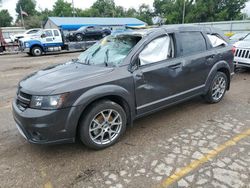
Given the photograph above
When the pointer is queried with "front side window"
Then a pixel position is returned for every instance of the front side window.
(48, 33)
(157, 50)
(192, 43)
(111, 50)
(81, 28)
(32, 31)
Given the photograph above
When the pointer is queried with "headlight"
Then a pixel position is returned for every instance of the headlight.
(48, 102)
(26, 44)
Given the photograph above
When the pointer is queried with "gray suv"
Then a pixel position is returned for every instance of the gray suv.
(122, 77)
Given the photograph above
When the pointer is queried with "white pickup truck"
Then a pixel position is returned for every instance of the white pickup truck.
(50, 40)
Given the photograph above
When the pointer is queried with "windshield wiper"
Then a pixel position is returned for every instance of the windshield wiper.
(106, 57)
(87, 59)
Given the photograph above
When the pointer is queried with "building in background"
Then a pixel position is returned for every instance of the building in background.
(74, 23)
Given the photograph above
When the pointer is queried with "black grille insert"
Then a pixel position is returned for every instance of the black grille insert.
(23, 100)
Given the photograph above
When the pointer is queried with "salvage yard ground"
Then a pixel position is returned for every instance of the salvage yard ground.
(190, 145)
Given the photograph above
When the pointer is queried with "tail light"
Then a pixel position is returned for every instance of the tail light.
(233, 49)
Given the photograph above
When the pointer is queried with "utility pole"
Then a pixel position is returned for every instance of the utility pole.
(73, 6)
(21, 14)
(183, 11)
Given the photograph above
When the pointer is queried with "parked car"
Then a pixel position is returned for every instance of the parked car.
(88, 33)
(238, 36)
(27, 34)
(242, 53)
(121, 78)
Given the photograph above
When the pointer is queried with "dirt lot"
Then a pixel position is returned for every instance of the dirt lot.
(190, 145)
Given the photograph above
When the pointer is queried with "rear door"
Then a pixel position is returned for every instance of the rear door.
(197, 59)
(57, 36)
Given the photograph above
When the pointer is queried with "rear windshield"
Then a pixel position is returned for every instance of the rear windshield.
(111, 50)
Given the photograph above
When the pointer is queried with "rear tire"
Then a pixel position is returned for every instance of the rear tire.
(36, 51)
(217, 88)
(102, 125)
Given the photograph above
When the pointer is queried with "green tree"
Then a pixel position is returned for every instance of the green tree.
(230, 9)
(33, 22)
(131, 12)
(104, 8)
(29, 6)
(5, 18)
(62, 8)
(120, 12)
(199, 10)
(145, 14)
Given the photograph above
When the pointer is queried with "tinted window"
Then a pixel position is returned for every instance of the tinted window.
(192, 42)
(56, 33)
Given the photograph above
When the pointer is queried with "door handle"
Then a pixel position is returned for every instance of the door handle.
(175, 66)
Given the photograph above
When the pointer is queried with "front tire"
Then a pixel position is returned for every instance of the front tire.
(217, 88)
(36, 51)
(102, 125)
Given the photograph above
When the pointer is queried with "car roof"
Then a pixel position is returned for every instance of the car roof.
(169, 28)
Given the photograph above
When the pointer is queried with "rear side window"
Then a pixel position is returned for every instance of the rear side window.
(216, 41)
(56, 33)
(192, 43)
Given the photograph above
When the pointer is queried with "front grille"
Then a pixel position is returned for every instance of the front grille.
(23, 100)
(243, 53)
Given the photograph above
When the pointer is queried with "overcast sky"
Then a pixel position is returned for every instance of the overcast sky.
(42, 4)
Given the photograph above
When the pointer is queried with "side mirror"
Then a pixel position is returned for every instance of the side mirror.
(134, 65)
(43, 35)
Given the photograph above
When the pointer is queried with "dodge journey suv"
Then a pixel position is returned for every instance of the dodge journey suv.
(119, 79)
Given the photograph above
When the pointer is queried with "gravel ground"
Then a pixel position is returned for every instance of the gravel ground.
(202, 145)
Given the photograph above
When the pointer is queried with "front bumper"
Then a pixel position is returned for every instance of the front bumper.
(46, 126)
(25, 50)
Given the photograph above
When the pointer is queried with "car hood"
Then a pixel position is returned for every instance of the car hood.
(242, 44)
(57, 79)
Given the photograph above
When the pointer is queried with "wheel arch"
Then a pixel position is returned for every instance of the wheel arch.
(116, 94)
(36, 45)
(221, 66)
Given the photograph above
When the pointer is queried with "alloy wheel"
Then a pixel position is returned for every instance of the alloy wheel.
(219, 88)
(105, 127)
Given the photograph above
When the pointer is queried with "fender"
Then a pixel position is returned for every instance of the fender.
(102, 91)
(213, 71)
(33, 43)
